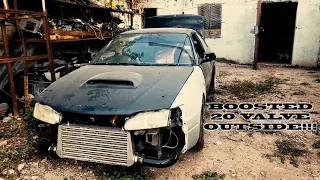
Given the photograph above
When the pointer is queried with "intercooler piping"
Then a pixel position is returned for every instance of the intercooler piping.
(160, 163)
(52, 149)
(145, 161)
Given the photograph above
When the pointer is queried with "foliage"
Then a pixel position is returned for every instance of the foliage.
(316, 144)
(289, 149)
(106, 172)
(248, 89)
(209, 175)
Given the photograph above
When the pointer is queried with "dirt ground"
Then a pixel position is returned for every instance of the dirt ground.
(237, 155)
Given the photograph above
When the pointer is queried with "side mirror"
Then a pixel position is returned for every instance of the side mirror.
(208, 57)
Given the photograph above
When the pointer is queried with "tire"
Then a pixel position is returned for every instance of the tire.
(200, 144)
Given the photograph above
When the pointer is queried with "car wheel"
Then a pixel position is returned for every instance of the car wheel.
(200, 144)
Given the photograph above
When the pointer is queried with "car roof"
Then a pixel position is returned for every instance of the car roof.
(161, 30)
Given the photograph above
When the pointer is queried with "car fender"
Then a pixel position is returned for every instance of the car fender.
(189, 100)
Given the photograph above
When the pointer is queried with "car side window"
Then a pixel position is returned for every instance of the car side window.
(202, 40)
(198, 45)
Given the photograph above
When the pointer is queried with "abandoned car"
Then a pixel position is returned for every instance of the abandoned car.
(140, 100)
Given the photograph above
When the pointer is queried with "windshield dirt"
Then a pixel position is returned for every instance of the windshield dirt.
(147, 49)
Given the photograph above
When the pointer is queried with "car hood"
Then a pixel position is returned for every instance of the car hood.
(122, 90)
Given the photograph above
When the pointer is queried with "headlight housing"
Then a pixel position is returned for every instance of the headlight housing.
(46, 114)
(148, 120)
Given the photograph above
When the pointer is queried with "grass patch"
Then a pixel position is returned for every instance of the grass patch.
(20, 136)
(28, 117)
(209, 175)
(248, 89)
(5, 134)
(318, 128)
(21, 152)
(289, 149)
(105, 172)
(316, 144)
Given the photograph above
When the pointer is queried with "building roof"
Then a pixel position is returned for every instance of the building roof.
(160, 30)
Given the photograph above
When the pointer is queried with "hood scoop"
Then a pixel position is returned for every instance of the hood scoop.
(115, 79)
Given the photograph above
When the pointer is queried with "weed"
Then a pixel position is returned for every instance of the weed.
(248, 89)
(294, 162)
(289, 149)
(209, 175)
(271, 132)
(28, 117)
(24, 146)
(318, 129)
(305, 83)
(121, 173)
(5, 134)
(316, 144)
(299, 92)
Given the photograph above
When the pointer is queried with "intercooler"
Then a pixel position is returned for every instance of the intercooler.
(98, 144)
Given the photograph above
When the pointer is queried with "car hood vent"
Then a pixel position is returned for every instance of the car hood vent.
(115, 79)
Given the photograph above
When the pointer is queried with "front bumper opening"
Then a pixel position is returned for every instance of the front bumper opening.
(144, 161)
(111, 145)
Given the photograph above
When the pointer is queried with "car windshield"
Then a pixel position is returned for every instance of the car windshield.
(147, 49)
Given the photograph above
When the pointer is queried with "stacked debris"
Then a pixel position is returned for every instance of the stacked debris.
(100, 29)
(3, 109)
(40, 76)
(82, 26)
(112, 5)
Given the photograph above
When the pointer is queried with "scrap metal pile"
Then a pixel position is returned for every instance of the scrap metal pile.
(85, 26)
(39, 74)
(99, 28)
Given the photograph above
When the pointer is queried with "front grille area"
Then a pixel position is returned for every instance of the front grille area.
(94, 120)
(105, 145)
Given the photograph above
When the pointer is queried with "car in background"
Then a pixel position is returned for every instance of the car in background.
(141, 100)
(189, 21)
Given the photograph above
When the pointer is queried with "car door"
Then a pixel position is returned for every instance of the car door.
(207, 50)
(206, 67)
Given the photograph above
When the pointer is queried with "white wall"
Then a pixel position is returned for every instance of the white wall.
(307, 35)
(239, 18)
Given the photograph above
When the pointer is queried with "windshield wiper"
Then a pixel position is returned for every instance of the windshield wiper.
(123, 63)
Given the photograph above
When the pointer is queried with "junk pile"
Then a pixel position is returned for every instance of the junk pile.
(74, 28)
(40, 76)
(80, 27)
(99, 21)
(3, 109)
(113, 5)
